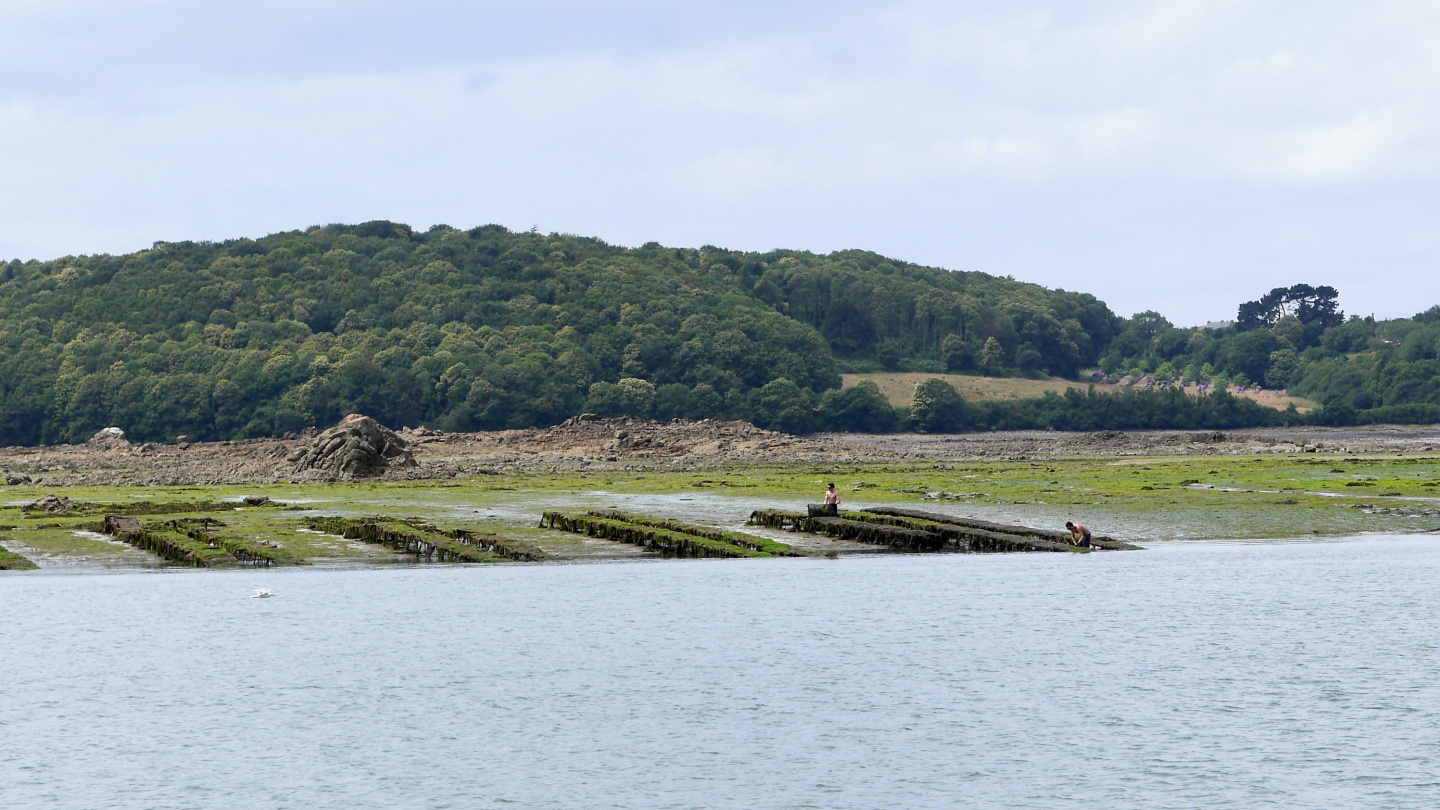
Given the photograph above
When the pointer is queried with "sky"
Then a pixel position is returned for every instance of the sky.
(1181, 157)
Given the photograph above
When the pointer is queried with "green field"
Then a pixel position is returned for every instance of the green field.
(898, 388)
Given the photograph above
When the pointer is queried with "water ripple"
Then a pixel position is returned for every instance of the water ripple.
(1226, 676)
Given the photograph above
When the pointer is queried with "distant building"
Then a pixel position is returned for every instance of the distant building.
(1219, 324)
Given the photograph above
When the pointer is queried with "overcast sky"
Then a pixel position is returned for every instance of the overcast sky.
(1177, 156)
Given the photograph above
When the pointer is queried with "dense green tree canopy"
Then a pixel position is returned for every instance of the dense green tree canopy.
(1304, 303)
(936, 407)
(1294, 338)
(488, 329)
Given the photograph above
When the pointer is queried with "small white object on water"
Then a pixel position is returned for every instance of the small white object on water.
(262, 593)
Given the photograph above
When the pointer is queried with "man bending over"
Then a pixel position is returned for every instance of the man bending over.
(1079, 535)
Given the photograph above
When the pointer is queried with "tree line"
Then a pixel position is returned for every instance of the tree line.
(488, 329)
(1296, 339)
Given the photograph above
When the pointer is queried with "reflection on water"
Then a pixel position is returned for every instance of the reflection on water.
(1188, 675)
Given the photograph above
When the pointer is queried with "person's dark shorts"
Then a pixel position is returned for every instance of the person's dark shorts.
(1085, 541)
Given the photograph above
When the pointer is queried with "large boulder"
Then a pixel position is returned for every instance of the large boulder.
(111, 438)
(55, 505)
(358, 446)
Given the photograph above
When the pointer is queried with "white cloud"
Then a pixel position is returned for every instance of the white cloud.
(1086, 145)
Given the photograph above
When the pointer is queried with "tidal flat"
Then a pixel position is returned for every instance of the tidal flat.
(1141, 499)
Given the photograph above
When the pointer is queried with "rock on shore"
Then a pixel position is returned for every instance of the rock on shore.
(358, 446)
(592, 435)
(55, 505)
(110, 438)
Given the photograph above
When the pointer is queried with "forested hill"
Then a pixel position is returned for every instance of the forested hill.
(489, 329)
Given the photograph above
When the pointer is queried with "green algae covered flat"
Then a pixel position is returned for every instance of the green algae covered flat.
(10, 561)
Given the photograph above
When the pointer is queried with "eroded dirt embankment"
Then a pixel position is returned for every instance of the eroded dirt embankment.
(583, 443)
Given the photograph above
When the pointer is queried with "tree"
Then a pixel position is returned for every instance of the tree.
(847, 326)
(1283, 365)
(956, 353)
(1335, 410)
(1290, 330)
(1306, 303)
(992, 358)
(1352, 336)
(889, 354)
(782, 405)
(705, 402)
(628, 397)
(1146, 325)
(1248, 354)
(1029, 360)
(936, 407)
(860, 408)
(672, 400)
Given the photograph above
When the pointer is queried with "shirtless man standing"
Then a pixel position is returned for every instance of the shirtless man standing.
(1079, 535)
(832, 499)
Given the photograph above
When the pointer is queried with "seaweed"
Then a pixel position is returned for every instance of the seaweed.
(135, 508)
(667, 542)
(249, 552)
(749, 541)
(936, 518)
(908, 530)
(843, 528)
(426, 541)
(178, 547)
(189, 541)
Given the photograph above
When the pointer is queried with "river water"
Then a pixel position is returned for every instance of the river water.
(1188, 675)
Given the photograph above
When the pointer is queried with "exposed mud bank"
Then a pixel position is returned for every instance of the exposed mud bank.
(598, 444)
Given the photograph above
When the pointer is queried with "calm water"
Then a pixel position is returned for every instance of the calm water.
(1203, 675)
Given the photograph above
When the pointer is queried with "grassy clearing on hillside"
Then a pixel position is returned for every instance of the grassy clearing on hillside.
(897, 387)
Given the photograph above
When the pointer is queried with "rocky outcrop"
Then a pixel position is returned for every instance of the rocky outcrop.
(49, 505)
(110, 438)
(641, 438)
(358, 446)
(116, 525)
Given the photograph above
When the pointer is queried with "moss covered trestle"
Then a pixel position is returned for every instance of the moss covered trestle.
(749, 541)
(669, 538)
(194, 542)
(427, 542)
(918, 531)
(182, 546)
(976, 524)
(146, 508)
(845, 527)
